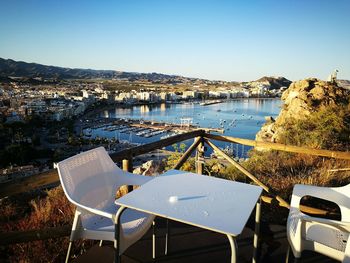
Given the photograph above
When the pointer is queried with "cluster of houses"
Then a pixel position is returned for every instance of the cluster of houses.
(219, 93)
(48, 102)
(153, 96)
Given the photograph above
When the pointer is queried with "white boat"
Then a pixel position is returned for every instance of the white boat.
(167, 136)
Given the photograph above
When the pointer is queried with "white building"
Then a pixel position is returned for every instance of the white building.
(189, 94)
(144, 96)
(173, 96)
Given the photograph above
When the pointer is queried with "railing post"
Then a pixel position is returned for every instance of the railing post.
(128, 167)
(200, 156)
(187, 154)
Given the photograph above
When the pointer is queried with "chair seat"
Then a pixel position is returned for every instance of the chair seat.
(131, 221)
(323, 234)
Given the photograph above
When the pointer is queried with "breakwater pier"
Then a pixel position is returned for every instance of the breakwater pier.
(136, 127)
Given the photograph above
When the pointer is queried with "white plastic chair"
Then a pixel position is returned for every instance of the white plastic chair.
(90, 181)
(325, 236)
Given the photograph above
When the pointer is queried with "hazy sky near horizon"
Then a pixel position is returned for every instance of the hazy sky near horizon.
(220, 40)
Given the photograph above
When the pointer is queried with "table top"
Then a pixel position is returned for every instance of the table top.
(211, 203)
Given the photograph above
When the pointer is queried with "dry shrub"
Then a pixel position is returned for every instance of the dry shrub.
(281, 170)
(54, 210)
(8, 211)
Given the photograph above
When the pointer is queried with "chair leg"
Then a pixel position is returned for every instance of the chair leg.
(154, 239)
(167, 236)
(287, 256)
(76, 225)
(68, 252)
(296, 260)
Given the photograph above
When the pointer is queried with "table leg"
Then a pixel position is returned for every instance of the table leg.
(233, 245)
(154, 239)
(257, 230)
(117, 229)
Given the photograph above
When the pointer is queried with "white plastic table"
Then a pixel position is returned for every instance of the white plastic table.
(211, 203)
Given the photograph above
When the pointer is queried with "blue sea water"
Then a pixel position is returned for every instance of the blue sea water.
(241, 118)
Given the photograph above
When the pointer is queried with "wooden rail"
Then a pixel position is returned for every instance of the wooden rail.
(29, 183)
(126, 156)
(142, 149)
(33, 235)
(281, 147)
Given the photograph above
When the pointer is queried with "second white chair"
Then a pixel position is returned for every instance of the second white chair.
(325, 236)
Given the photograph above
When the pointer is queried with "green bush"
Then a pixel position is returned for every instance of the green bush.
(173, 158)
(329, 128)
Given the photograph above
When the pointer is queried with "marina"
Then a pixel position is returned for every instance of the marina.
(139, 128)
(148, 123)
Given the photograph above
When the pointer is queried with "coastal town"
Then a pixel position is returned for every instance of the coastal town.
(174, 131)
(45, 116)
(56, 102)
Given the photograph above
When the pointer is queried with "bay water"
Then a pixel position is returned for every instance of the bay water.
(241, 118)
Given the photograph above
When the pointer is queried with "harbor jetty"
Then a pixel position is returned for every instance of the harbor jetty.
(211, 102)
(140, 128)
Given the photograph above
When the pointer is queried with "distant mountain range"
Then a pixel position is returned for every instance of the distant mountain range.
(11, 68)
(33, 72)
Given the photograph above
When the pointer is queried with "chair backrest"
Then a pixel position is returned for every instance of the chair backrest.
(89, 178)
(344, 202)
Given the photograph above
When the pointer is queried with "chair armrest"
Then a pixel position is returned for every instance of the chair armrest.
(327, 193)
(94, 211)
(133, 179)
(127, 178)
(342, 225)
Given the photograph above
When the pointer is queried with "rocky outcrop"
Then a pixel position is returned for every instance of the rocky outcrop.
(148, 168)
(301, 99)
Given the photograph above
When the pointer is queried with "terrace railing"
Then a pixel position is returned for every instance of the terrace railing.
(201, 137)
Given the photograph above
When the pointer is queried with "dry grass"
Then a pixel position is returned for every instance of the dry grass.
(281, 171)
(50, 211)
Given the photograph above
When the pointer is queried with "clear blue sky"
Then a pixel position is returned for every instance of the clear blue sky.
(223, 40)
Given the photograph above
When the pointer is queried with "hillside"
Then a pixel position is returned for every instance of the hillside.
(9, 67)
(275, 82)
(33, 73)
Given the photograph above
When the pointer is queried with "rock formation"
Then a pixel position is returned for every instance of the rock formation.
(150, 168)
(301, 99)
